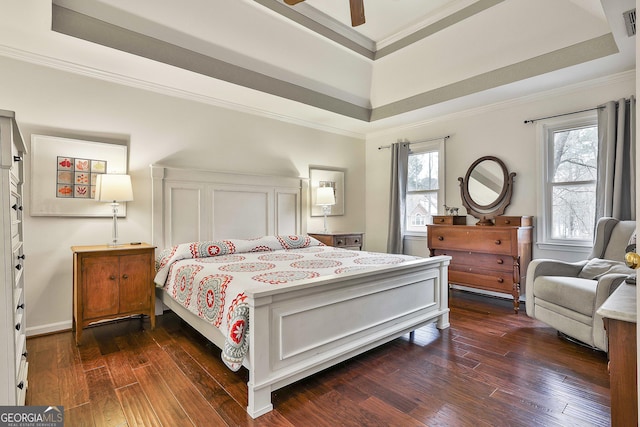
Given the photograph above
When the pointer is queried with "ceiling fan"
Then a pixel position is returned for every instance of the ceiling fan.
(357, 10)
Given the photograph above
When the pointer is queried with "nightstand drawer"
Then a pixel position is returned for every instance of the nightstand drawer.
(355, 240)
(340, 240)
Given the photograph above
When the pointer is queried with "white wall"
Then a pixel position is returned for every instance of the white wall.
(177, 132)
(159, 129)
(497, 130)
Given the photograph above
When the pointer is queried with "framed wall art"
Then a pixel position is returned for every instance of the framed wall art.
(333, 178)
(64, 173)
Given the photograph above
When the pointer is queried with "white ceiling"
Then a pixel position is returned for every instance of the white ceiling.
(424, 58)
(386, 21)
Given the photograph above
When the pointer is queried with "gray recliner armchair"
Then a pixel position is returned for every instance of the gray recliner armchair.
(566, 295)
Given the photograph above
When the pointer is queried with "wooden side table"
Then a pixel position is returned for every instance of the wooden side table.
(619, 313)
(112, 282)
(340, 240)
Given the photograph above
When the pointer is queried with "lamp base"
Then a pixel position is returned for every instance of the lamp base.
(114, 233)
(326, 209)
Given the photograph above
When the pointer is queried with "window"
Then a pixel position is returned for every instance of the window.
(571, 153)
(425, 186)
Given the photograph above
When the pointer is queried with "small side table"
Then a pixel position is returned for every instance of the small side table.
(619, 313)
(340, 240)
(112, 282)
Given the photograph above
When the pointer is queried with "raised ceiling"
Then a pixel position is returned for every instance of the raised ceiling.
(412, 59)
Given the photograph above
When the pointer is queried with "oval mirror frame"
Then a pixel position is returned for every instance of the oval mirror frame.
(485, 213)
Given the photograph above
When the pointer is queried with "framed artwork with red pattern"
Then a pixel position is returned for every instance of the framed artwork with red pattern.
(64, 173)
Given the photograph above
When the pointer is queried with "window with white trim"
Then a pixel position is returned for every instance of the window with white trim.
(425, 186)
(570, 174)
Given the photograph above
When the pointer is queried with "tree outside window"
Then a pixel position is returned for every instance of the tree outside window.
(571, 182)
(423, 187)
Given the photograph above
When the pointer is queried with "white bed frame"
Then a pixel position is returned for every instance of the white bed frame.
(291, 336)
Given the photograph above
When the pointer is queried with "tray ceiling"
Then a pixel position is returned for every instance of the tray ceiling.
(411, 59)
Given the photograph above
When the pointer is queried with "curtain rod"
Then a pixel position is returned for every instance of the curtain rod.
(560, 115)
(419, 142)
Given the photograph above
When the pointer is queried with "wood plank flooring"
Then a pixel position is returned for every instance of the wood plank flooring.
(491, 368)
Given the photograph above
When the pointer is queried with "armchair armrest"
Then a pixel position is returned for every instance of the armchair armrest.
(552, 267)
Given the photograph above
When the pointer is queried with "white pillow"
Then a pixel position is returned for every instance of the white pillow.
(597, 267)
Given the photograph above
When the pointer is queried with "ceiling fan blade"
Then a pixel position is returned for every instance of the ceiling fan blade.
(357, 12)
(292, 2)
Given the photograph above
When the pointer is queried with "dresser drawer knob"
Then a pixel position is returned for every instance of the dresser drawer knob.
(356, 240)
(497, 242)
(18, 327)
(21, 385)
(17, 158)
(125, 276)
(440, 219)
(507, 221)
(500, 261)
(441, 238)
(112, 277)
(500, 280)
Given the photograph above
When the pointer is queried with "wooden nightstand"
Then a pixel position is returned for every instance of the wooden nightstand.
(340, 240)
(112, 282)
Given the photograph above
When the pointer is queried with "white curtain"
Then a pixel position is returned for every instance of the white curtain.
(616, 185)
(399, 167)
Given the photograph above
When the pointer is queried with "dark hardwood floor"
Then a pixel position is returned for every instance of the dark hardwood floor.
(491, 368)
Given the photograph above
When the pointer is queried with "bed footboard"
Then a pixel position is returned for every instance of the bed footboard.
(298, 330)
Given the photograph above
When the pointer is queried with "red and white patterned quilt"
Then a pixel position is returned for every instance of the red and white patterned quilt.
(210, 278)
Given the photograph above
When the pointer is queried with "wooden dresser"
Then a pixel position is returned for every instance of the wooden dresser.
(13, 351)
(112, 282)
(492, 258)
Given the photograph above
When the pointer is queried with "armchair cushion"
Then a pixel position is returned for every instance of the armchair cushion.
(596, 267)
(572, 293)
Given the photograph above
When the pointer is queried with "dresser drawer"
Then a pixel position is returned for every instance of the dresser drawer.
(494, 240)
(18, 268)
(450, 219)
(21, 353)
(16, 204)
(471, 259)
(22, 383)
(497, 281)
(513, 221)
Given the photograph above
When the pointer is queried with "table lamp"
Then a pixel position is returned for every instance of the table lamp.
(114, 188)
(326, 199)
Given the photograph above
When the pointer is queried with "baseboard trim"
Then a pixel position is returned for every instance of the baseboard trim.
(487, 293)
(49, 328)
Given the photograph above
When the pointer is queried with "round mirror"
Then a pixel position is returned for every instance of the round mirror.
(486, 183)
(486, 189)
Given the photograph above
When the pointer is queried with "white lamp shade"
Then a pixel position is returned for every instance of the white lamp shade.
(114, 188)
(325, 196)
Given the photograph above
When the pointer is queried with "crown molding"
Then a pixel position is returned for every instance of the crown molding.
(625, 76)
(94, 73)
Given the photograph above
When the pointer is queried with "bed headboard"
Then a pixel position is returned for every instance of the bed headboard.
(196, 205)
